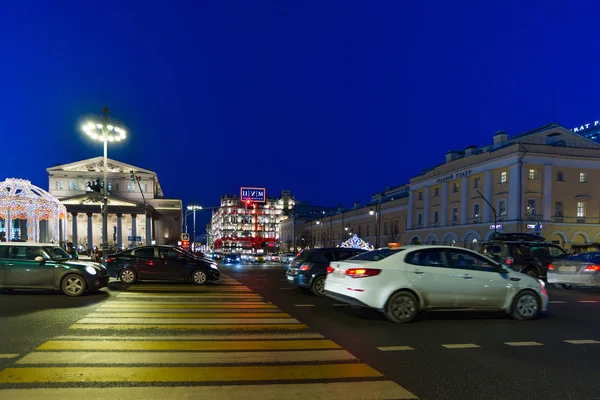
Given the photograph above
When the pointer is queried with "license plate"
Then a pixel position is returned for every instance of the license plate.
(567, 269)
(290, 278)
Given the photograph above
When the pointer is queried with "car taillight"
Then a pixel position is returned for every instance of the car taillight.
(509, 261)
(329, 269)
(362, 272)
(592, 268)
(304, 267)
(110, 259)
(550, 267)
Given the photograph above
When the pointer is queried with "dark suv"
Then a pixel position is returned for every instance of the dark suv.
(309, 269)
(528, 254)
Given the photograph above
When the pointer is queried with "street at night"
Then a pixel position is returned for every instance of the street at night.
(171, 340)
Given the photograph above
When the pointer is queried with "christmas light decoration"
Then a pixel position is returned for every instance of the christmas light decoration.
(19, 199)
(356, 243)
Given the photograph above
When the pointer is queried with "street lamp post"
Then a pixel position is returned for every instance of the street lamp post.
(376, 212)
(104, 132)
(193, 208)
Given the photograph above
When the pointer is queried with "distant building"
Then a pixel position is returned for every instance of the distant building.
(240, 227)
(130, 223)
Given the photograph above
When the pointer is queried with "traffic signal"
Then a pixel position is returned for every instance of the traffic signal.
(132, 174)
(248, 202)
(185, 244)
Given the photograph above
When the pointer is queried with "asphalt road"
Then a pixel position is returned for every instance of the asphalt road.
(53, 345)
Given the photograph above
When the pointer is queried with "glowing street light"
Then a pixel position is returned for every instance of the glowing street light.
(193, 209)
(105, 132)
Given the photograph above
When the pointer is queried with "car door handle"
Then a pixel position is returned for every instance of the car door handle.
(418, 272)
(515, 279)
(9, 265)
(467, 277)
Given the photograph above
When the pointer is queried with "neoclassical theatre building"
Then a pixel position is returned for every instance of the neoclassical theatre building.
(542, 181)
(138, 211)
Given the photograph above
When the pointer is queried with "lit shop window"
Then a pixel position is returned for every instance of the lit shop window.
(532, 174)
(582, 177)
(503, 177)
(580, 209)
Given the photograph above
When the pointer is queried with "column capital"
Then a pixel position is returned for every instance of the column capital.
(133, 215)
(74, 214)
(119, 215)
(90, 214)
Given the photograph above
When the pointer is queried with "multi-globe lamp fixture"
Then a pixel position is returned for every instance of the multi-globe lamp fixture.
(104, 131)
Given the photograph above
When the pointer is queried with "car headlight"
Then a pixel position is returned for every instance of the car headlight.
(213, 266)
(90, 270)
(542, 283)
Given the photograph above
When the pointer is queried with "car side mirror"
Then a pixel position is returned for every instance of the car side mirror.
(40, 259)
(502, 269)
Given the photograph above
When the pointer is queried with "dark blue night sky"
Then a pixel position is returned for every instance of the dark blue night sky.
(331, 100)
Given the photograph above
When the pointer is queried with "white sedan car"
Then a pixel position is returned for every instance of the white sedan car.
(579, 269)
(405, 280)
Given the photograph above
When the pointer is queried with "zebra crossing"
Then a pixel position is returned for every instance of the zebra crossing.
(216, 341)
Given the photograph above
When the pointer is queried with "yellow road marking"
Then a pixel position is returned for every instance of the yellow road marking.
(395, 348)
(186, 374)
(201, 336)
(245, 327)
(8, 355)
(192, 321)
(191, 295)
(190, 289)
(232, 304)
(523, 344)
(188, 345)
(584, 341)
(187, 315)
(460, 346)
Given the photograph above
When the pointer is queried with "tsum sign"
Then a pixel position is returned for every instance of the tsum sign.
(258, 195)
(587, 126)
(454, 175)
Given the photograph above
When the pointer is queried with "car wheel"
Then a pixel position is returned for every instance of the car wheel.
(526, 305)
(402, 307)
(531, 271)
(198, 277)
(318, 286)
(127, 276)
(73, 285)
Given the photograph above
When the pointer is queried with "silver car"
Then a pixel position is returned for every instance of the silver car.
(579, 269)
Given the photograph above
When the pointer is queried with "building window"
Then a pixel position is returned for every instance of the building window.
(455, 187)
(501, 207)
(560, 176)
(436, 192)
(396, 227)
(109, 186)
(558, 209)
(419, 219)
(420, 196)
(581, 209)
(503, 177)
(70, 185)
(531, 206)
(131, 187)
(477, 183)
(455, 215)
(117, 187)
(532, 174)
(385, 228)
(60, 185)
(74, 185)
(368, 230)
(56, 184)
(582, 177)
(436, 217)
(475, 212)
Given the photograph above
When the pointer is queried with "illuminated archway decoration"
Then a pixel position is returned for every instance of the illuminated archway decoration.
(19, 199)
(356, 243)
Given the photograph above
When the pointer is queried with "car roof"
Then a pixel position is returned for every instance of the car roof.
(28, 244)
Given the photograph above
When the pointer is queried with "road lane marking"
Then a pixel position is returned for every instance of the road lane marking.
(190, 289)
(587, 301)
(340, 305)
(245, 357)
(523, 344)
(243, 336)
(556, 302)
(461, 346)
(190, 295)
(213, 311)
(186, 374)
(304, 305)
(373, 390)
(187, 304)
(181, 321)
(395, 348)
(585, 341)
(8, 355)
(185, 315)
(208, 327)
(188, 345)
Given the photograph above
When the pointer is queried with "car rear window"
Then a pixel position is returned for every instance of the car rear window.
(144, 253)
(311, 256)
(376, 255)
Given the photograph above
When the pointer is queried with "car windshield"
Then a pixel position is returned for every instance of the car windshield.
(56, 253)
(376, 255)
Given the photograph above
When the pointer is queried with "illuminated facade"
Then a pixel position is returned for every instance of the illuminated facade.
(138, 212)
(238, 226)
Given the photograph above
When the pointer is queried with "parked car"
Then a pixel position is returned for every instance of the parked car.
(580, 269)
(160, 263)
(287, 258)
(403, 281)
(524, 253)
(232, 259)
(309, 269)
(48, 266)
(258, 258)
